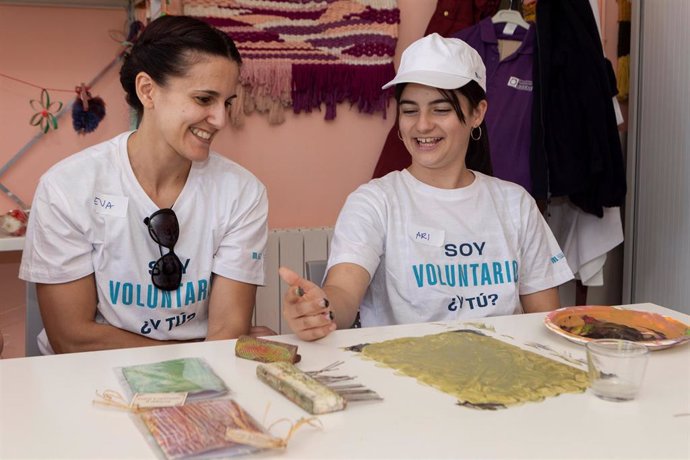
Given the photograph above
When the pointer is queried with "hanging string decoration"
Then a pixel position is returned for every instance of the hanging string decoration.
(46, 119)
(87, 111)
(44, 116)
(127, 41)
(307, 53)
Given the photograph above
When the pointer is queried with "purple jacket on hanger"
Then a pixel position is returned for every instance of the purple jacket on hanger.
(509, 94)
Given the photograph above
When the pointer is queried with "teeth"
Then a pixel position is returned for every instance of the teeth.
(428, 140)
(201, 133)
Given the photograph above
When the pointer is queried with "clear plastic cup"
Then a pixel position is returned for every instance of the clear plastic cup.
(616, 368)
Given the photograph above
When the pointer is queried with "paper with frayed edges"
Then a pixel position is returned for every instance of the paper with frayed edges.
(481, 371)
(300, 388)
(265, 351)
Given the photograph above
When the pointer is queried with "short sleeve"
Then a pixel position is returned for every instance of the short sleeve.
(542, 262)
(56, 248)
(240, 255)
(360, 231)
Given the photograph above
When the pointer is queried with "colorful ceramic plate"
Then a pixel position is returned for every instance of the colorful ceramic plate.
(647, 323)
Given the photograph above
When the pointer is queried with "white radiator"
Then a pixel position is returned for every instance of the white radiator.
(290, 248)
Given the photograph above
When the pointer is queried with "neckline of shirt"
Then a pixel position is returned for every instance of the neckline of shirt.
(136, 186)
(468, 191)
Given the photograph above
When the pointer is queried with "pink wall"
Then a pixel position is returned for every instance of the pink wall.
(308, 165)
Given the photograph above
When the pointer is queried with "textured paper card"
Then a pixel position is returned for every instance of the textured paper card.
(198, 429)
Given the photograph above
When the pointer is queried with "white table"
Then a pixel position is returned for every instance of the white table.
(46, 406)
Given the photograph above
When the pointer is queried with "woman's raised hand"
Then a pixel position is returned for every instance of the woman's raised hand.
(305, 307)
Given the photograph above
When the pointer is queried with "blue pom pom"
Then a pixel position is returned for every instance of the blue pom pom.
(86, 121)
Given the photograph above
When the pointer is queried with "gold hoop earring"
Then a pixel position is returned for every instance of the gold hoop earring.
(478, 136)
(400, 136)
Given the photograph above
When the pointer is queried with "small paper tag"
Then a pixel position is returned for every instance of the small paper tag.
(428, 236)
(111, 205)
(159, 399)
(509, 29)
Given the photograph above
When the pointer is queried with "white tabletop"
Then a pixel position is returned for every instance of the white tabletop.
(46, 406)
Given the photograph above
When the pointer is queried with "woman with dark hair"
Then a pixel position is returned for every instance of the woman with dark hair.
(442, 239)
(151, 237)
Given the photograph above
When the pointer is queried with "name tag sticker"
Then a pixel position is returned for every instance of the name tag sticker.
(110, 205)
(428, 236)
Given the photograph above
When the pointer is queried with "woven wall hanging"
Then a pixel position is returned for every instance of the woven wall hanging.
(305, 53)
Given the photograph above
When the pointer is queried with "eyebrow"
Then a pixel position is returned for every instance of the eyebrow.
(210, 92)
(435, 101)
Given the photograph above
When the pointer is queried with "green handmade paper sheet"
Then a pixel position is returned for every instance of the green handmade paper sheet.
(479, 370)
(186, 375)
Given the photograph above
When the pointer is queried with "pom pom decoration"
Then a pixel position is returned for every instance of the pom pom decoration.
(14, 222)
(44, 116)
(87, 111)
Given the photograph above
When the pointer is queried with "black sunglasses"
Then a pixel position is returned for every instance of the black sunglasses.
(164, 230)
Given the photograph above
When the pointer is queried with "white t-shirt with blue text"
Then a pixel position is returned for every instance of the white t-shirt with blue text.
(88, 217)
(437, 254)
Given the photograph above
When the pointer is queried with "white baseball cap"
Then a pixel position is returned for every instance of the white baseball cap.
(446, 63)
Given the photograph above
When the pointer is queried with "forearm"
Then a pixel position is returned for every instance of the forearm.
(228, 331)
(94, 336)
(546, 300)
(231, 308)
(68, 311)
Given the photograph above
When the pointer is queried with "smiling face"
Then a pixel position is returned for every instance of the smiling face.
(432, 132)
(185, 113)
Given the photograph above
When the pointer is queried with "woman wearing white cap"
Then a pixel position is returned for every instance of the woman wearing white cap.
(441, 240)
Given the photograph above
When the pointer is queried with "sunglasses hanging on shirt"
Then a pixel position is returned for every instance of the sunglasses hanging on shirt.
(164, 229)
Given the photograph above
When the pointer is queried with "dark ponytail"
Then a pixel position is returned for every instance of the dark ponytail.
(166, 49)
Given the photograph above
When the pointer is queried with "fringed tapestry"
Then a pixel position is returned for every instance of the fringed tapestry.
(305, 53)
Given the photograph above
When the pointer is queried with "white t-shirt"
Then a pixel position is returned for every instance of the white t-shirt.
(436, 254)
(88, 217)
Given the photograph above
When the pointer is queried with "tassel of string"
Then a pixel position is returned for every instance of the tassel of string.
(111, 398)
(246, 434)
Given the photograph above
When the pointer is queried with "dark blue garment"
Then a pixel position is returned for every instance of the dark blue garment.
(576, 148)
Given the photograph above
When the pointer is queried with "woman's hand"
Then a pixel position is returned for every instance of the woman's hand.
(306, 307)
